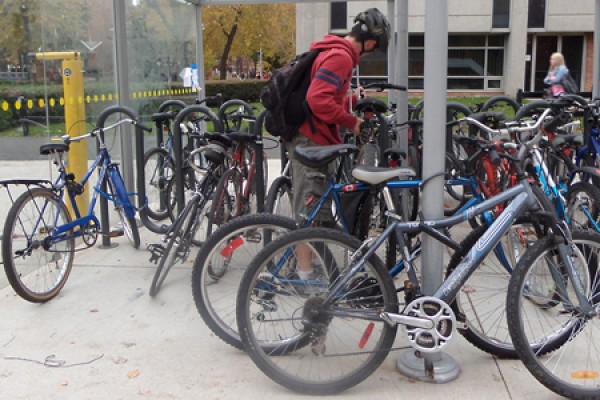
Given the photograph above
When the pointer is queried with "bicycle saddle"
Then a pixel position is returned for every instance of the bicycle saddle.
(577, 140)
(50, 148)
(376, 175)
(371, 104)
(319, 156)
(242, 137)
(395, 152)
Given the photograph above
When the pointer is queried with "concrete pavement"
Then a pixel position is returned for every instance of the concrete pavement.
(103, 337)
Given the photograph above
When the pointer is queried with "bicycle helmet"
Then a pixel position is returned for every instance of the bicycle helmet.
(372, 24)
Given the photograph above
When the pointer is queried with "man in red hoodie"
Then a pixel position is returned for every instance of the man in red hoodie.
(329, 103)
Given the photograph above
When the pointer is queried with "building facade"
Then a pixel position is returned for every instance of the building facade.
(494, 46)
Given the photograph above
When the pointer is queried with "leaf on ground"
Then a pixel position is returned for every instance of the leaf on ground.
(120, 360)
(64, 382)
(133, 374)
(94, 310)
(128, 344)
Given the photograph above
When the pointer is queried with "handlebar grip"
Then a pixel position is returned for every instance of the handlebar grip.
(144, 127)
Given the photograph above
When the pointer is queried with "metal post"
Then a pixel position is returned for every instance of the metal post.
(596, 82)
(200, 53)
(122, 87)
(434, 367)
(72, 71)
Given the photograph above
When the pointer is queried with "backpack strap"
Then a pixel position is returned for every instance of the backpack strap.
(308, 113)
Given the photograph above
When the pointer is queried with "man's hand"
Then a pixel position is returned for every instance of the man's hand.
(356, 129)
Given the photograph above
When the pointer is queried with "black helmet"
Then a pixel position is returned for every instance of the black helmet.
(373, 25)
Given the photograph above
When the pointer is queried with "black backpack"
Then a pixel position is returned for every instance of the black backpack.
(284, 96)
(569, 84)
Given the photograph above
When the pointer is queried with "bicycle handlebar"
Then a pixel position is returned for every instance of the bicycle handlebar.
(384, 85)
(94, 133)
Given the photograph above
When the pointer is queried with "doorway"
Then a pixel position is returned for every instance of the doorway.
(539, 50)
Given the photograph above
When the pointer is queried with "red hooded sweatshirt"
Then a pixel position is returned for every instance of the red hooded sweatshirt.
(327, 94)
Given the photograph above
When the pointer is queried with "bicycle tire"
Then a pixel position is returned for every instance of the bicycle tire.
(532, 109)
(572, 369)
(303, 347)
(220, 264)
(178, 237)
(583, 204)
(279, 197)
(41, 282)
(506, 104)
(226, 202)
(158, 171)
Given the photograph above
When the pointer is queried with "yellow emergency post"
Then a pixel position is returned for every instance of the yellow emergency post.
(72, 74)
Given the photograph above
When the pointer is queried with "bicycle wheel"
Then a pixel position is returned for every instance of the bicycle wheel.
(572, 370)
(583, 205)
(158, 171)
(481, 303)
(178, 245)
(227, 200)
(505, 104)
(279, 197)
(219, 267)
(299, 340)
(36, 268)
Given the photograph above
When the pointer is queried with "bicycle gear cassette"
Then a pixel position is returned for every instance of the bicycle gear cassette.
(444, 324)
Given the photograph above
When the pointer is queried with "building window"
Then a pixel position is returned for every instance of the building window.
(475, 62)
(537, 14)
(339, 15)
(501, 14)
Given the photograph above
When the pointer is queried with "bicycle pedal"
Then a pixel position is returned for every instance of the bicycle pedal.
(115, 233)
(156, 251)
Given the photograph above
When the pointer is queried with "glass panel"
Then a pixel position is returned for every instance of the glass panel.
(416, 64)
(494, 84)
(465, 83)
(416, 83)
(466, 62)
(466, 41)
(546, 45)
(572, 49)
(537, 14)
(496, 40)
(161, 44)
(495, 62)
(501, 14)
(373, 64)
(339, 15)
(416, 41)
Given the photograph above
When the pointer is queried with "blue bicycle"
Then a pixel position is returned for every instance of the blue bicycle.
(40, 233)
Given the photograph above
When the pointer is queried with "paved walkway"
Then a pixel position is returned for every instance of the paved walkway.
(103, 337)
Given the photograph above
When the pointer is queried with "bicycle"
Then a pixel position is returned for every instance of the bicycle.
(218, 266)
(295, 330)
(159, 162)
(237, 190)
(39, 232)
(182, 233)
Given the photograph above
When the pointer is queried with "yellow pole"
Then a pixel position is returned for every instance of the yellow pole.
(72, 72)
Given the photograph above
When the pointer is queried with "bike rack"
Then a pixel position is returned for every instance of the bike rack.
(141, 189)
(178, 147)
(159, 125)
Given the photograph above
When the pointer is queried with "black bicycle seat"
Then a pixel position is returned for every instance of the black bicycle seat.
(576, 140)
(319, 156)
(371, 104)
(51, 148)
(242, 137)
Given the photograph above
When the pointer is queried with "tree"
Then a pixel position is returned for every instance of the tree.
(240, 31)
